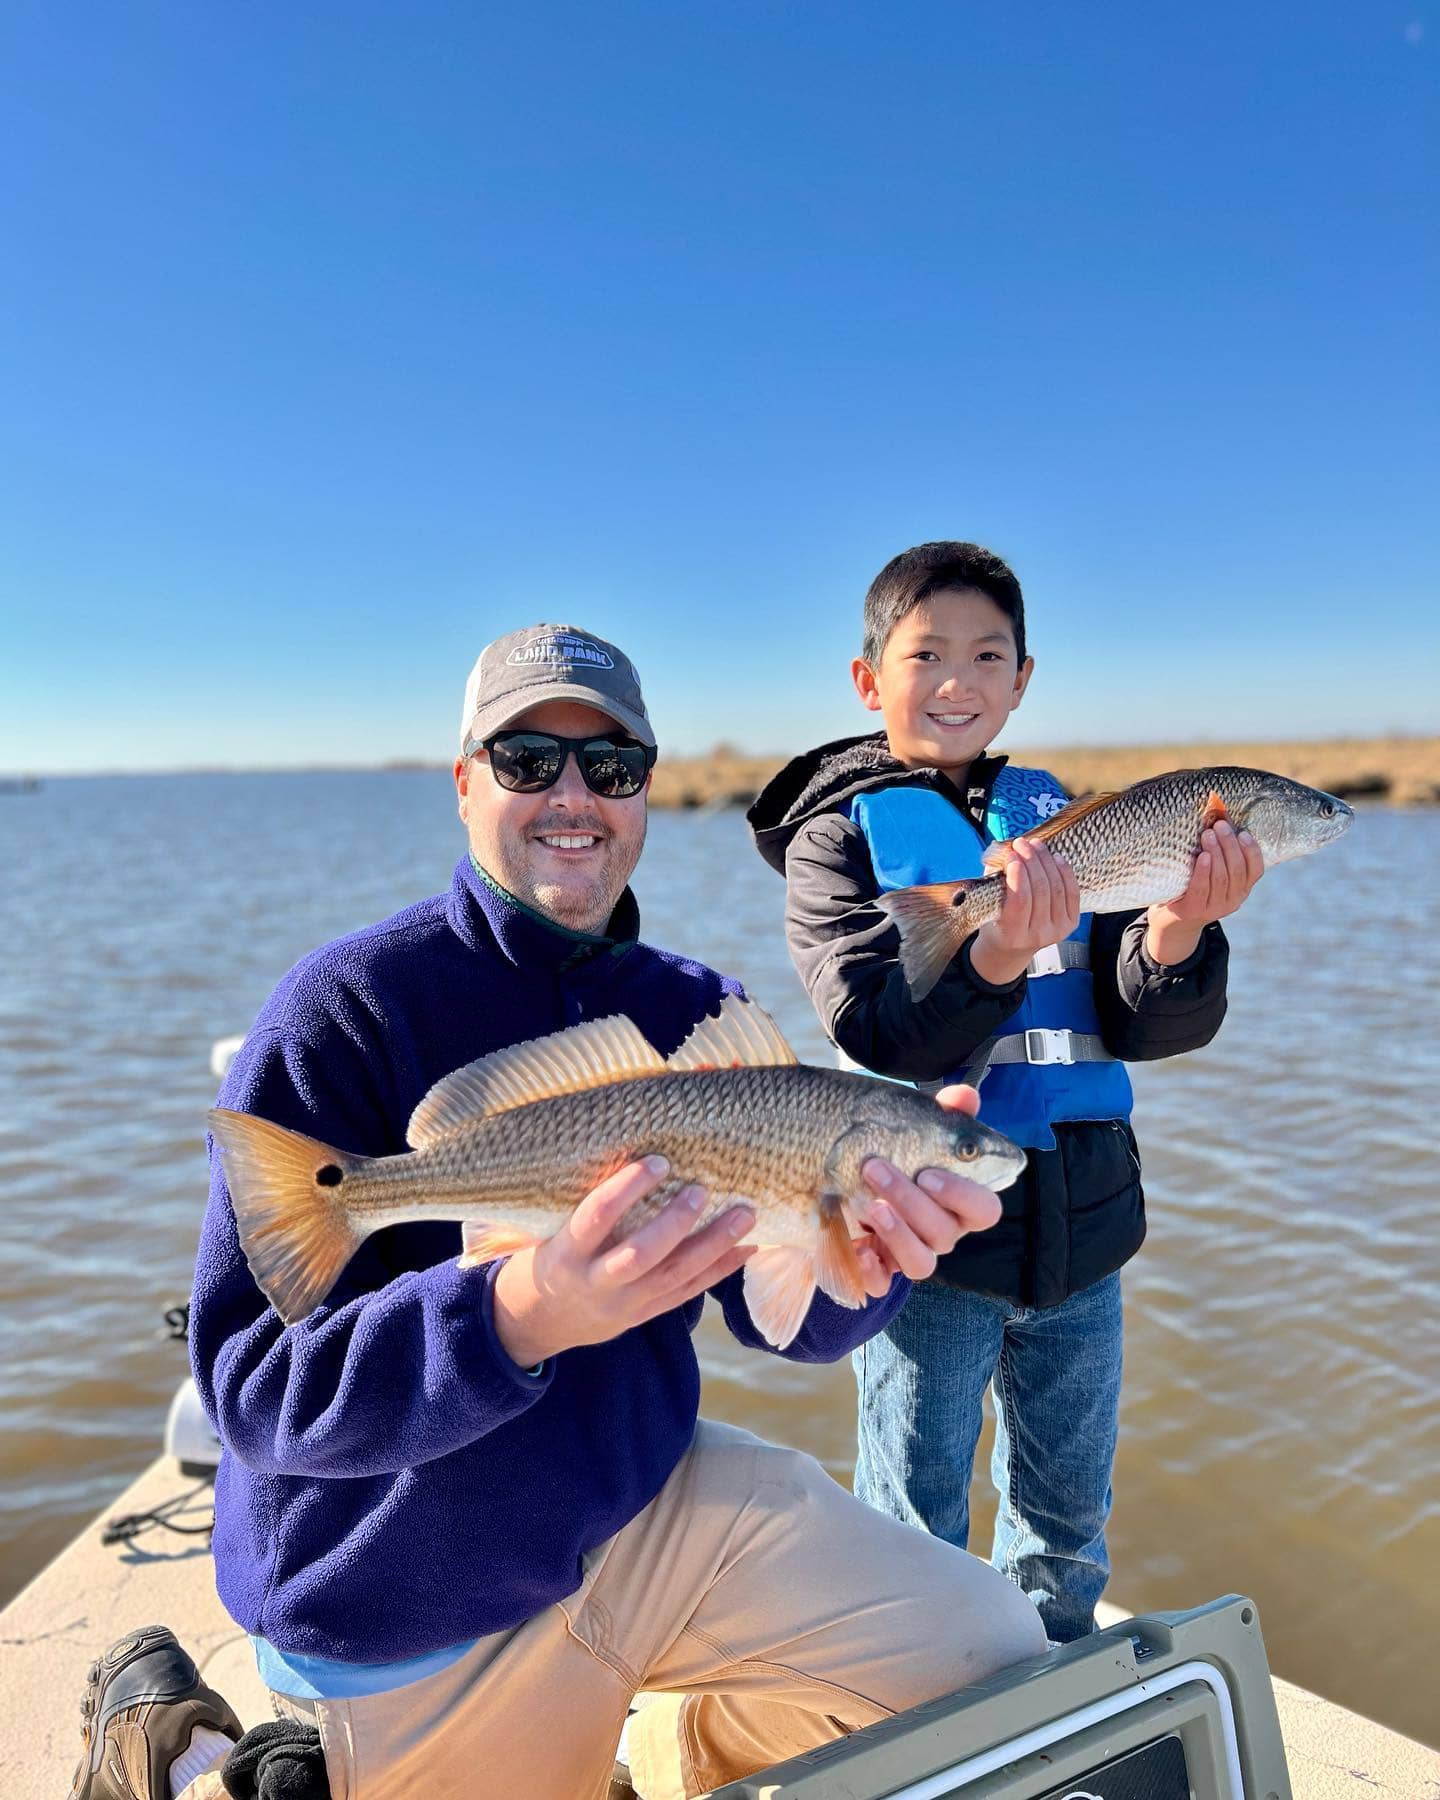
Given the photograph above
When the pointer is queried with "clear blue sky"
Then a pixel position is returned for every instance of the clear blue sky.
(337, 338)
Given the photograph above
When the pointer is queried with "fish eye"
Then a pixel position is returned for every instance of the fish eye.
(968, 1152)
(1327, 809)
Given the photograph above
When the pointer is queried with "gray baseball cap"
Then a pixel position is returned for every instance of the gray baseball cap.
(550, 662)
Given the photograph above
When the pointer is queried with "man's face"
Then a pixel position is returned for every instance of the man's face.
(566, 852)
(947, 680)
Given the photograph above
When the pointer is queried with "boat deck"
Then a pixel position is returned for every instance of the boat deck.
(92, 1593)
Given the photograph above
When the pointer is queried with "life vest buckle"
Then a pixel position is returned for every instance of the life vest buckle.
(1044, 1046)
(1046, 962)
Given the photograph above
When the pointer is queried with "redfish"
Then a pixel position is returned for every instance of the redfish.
(510, 1145)
(1132, 848)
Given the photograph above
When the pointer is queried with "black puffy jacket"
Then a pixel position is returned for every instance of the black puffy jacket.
(1078, 1211)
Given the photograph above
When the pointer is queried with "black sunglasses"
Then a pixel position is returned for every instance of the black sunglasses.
(528, 762)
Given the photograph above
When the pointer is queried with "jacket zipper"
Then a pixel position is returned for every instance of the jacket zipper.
(1118, 1126)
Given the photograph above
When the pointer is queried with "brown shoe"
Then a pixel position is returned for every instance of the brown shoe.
(143, 1698)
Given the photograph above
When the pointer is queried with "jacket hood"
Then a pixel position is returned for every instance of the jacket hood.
(820, 780)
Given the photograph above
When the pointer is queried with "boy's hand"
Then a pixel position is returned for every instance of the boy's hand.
(579, 1288)
(910, 1225)
(1226, 869)
(1041, 907)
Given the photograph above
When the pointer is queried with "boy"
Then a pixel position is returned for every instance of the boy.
(1043, 1006)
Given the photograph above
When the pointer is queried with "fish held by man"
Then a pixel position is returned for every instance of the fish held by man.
(511, 1144)
(1131, 848)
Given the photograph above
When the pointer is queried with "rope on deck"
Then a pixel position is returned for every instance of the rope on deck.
(127, 1526)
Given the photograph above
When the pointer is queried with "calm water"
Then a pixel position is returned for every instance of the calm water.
(1281, 1430)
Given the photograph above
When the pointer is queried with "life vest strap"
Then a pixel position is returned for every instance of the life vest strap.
(1055, 959)
(1040, 1047)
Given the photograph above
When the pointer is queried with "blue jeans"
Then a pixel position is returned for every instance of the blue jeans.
(1055, 1375)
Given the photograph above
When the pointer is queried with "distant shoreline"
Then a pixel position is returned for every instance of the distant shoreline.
(1395, 771)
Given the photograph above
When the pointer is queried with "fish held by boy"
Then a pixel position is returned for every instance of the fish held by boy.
(511, 1144)
(1135, 847)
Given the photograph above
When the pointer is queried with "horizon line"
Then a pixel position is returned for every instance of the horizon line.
(730, 753)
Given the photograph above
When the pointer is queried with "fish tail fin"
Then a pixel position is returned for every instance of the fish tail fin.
(289, 1196)
(779, 1286)
(837, 1267)
(933, 925)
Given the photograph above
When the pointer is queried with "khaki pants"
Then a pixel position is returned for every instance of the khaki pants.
(768, 1609)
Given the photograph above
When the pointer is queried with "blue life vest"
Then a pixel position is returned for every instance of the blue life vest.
(917, 835)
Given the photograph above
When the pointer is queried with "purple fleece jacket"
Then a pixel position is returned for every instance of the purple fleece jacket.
(392, 1483)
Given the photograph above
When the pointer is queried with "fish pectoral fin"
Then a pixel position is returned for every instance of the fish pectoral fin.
(586, 1056)
(1215, 811)
(837, 1266)
(779, 1286)
(741, 1036)
(484, 1241)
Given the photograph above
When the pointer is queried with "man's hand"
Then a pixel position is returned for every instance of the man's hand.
(578, 1288)
(911, 1224)
(1226, 870)
(1041, 907)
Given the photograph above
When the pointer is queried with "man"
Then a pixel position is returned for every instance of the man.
(468, 1513)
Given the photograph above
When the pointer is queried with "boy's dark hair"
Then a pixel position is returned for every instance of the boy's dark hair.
(915, 574)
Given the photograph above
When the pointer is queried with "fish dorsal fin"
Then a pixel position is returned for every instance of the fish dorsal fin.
(743, 1036)
(568, 1062)
(998, 855)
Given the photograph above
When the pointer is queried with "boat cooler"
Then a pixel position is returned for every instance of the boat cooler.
(1172, 1706)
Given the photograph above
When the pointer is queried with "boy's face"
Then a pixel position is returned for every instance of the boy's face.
(947, 679)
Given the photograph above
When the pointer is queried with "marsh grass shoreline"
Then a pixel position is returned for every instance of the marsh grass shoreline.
(1394, 771)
